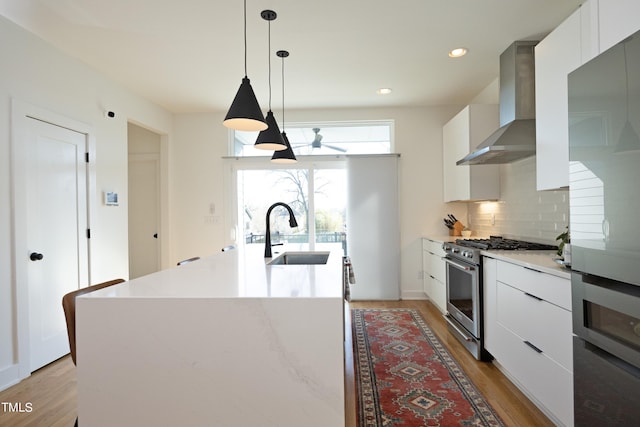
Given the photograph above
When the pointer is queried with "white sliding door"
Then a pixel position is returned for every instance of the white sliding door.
(373, 226)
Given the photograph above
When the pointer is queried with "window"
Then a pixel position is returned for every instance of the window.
(315, 193)
(324, 139)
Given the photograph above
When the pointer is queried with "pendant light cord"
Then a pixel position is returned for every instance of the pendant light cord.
(283, 94)
(245, 38)
(269, 65)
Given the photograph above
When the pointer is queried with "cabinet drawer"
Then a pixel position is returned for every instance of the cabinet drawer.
(433, 264)
(553, 289)
(434, 247)
(547, 381)
(546, 326)
(438, 267)
(439, 295)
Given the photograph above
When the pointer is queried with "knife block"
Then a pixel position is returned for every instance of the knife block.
(457, 229)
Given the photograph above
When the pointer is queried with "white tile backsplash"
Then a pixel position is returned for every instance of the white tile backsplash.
(522, 211)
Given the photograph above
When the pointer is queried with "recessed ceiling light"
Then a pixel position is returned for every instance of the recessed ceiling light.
(383, 91)
(458, 52)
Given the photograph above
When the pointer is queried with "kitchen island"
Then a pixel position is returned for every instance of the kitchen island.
(228, 340)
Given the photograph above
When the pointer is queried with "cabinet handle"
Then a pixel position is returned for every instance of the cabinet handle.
(532, 269)
(533, 296)
(537, 350)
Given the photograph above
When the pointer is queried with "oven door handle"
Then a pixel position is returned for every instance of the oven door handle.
(460, 266)
(464, 335)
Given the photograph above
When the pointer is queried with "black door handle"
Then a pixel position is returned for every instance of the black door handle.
(35, 256)
(155, 236)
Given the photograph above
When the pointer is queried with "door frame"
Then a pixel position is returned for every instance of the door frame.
(21, 113)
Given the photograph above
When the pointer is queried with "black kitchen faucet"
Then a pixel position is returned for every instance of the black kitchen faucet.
(267, 237)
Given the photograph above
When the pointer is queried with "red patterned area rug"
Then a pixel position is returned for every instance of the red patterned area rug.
(405, 377)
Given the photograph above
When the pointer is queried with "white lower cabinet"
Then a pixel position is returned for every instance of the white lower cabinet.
(434, 273)
(529, 332)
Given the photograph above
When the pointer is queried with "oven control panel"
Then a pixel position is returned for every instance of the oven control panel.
(470, 255)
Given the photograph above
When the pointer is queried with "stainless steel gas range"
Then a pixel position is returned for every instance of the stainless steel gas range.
(464, 287)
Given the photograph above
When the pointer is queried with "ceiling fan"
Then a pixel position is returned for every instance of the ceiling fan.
(317, 143)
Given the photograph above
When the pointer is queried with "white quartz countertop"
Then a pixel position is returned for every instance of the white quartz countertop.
(538, 260)
(240, 273)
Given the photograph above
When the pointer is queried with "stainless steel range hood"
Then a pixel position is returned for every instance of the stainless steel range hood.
(516, 138)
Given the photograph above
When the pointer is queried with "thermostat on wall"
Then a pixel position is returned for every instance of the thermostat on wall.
(110, 198)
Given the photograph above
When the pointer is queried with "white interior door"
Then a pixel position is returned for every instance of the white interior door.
(144, 199)
(57, 258)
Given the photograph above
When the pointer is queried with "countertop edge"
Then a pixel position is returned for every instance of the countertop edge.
(537, 260)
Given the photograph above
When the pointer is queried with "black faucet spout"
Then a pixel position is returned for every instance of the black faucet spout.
(267, 238)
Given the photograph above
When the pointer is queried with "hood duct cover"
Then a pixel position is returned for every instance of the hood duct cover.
(516, 138)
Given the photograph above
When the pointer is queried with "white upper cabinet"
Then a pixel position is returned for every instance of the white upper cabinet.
(617, 20)
(567, 47)
(460, 136)
(556, 56)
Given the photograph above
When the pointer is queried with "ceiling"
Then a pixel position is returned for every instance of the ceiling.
(187, 55)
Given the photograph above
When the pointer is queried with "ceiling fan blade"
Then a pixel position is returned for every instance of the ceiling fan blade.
(333, 147)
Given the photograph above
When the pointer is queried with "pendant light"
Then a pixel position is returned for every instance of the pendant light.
(245, 112)
(270, 138)
(286, 155)
(629, 140)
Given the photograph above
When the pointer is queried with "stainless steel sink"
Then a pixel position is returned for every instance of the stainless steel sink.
(301, 258)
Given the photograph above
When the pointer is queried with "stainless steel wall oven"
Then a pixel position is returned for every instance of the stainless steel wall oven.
(606, 351)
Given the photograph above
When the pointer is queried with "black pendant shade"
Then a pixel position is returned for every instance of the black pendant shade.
(245, 113)
(286, 155)
(270, 138)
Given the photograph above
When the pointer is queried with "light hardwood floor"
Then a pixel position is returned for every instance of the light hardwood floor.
(52, 389)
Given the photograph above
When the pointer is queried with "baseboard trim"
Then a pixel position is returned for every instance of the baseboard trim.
(413, 295)
(9, 376)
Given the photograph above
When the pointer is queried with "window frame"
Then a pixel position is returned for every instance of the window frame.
(329, 124)
(312, 163)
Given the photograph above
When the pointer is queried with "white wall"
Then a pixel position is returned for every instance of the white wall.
(200, 141)
(37, 74)
(197, 188)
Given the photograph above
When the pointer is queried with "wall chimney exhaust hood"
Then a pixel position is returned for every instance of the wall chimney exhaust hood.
(516, 138)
